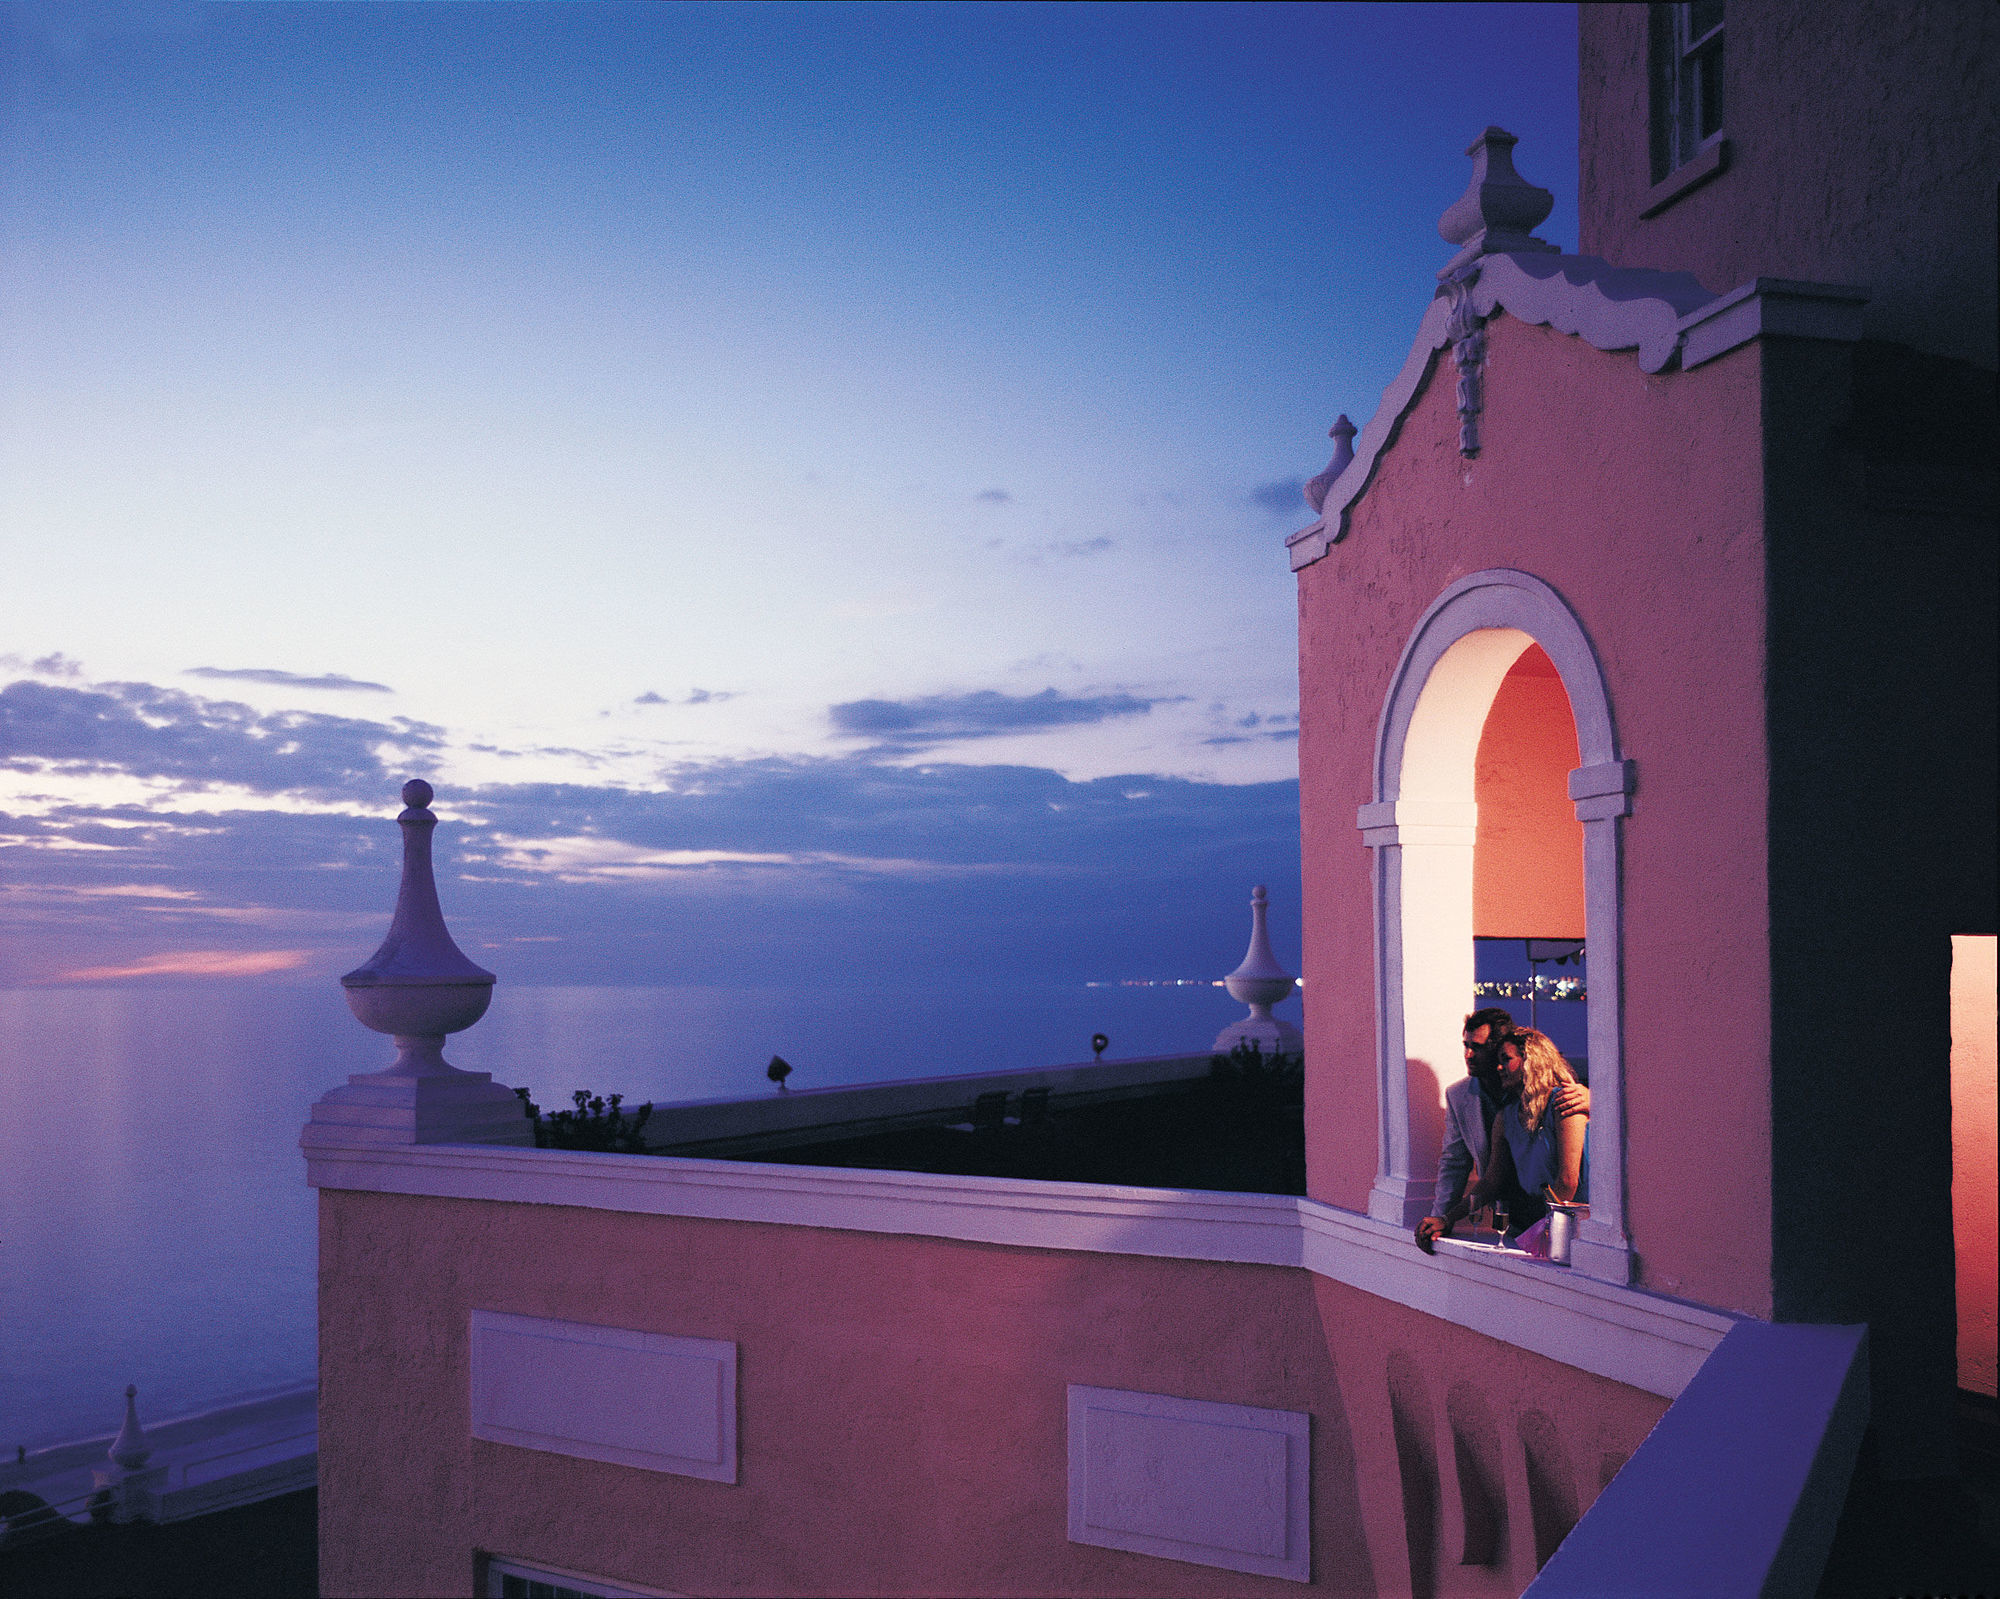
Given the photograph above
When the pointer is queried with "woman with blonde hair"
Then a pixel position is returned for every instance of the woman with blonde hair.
(1538, 1148)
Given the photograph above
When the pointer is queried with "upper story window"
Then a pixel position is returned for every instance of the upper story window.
(1687, 81)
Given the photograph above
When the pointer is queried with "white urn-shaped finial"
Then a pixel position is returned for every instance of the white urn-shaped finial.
(130, 1449)
(1499, 210)
(418, 986)
(1260, 982)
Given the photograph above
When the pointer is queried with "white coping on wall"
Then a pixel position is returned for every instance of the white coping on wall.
(237, 1454)
(1645, 1340)
(1739, 1487)
(1784, 307)
(1662, 315)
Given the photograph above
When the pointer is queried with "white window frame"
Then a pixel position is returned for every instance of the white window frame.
(1421, 825)
(1686, 71)
(499, 1567)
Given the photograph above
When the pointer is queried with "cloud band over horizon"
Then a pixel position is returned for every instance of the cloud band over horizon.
(265, 847)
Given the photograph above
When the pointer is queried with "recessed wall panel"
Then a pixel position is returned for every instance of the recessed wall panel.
(1189, 1479)
(605, 1393)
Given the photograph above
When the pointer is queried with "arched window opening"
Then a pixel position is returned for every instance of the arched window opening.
(1498, 788)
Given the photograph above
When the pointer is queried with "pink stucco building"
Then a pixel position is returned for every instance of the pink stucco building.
(1653, 607)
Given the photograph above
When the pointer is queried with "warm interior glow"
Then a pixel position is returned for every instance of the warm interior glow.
(1975, 1168)
(1527, 876)
(1435, 818)
(1490, 841)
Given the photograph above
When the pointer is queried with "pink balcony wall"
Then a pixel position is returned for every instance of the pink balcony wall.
(902, 1410)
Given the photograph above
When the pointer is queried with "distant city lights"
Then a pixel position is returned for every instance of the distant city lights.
(1541, 988)
(1160, 982)
(1171, 982)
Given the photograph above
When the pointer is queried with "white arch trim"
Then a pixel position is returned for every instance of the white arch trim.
(1421, 824)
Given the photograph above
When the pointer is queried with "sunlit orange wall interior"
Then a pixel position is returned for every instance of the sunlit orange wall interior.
(1527, 875)
(1975, 1170)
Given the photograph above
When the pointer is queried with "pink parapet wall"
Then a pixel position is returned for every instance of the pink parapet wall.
(1975, 1170)
(1639, 498)
(902, 1415)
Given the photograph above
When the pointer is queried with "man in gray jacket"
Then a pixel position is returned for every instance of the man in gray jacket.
(1470, 1104)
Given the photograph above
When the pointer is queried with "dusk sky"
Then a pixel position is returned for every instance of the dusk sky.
(807, 483)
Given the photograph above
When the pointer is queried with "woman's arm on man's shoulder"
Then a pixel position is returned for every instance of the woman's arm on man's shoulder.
(1572, 1099)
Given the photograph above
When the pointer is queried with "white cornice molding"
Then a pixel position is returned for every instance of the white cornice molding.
(1785, 307)
(1641, 1339)
(1662, 315)
(1612, 308)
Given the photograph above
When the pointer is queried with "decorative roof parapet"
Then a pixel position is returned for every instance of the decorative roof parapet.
(1665, 316)
(1502, 265)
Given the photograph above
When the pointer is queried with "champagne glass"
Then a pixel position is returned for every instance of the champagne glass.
(1500, 1222)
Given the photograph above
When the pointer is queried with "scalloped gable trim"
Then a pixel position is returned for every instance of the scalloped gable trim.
(1614, 308)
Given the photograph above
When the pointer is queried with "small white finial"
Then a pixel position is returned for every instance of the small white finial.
(419, 985)
(1342, 434)
(130, 1449)
(1499, 210)
(1260, 982)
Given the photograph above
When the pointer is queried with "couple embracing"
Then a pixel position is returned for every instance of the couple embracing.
(1520, 1116)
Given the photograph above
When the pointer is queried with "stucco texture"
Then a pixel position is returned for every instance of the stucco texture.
(1638, 499)
(1864, 148)
(902, 1410)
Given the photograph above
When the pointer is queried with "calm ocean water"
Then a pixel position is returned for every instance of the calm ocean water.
(155, 1226)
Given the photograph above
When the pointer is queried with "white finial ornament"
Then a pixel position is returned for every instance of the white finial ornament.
(130, 1449)
(1497, 214)
(1499, 210)
(418, 987)
(124, 1488)
(1260, 982)
(1342, 434)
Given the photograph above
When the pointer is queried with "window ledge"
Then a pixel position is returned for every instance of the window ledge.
(1711, 160)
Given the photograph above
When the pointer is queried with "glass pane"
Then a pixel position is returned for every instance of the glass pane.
(1708, 91)
(1664, 60)
(1704, 17)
